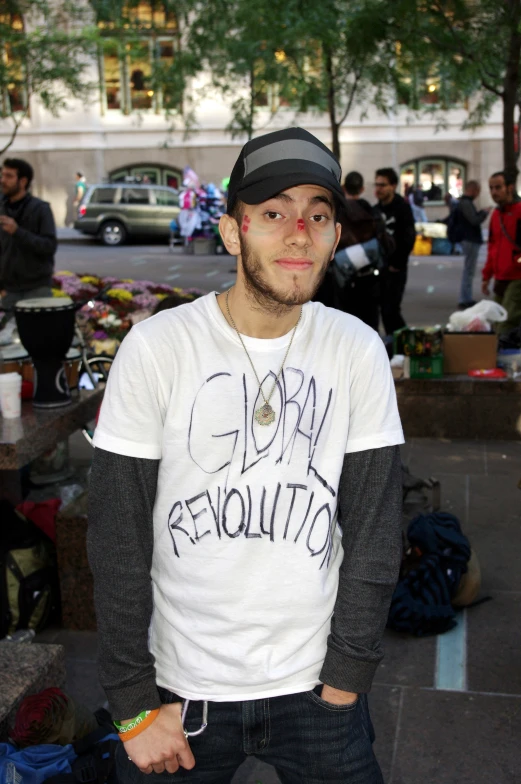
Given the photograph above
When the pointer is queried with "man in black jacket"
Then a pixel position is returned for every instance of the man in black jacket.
(27, 237)
(468, 228)
(400, 225)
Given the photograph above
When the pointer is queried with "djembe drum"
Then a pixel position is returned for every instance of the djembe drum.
(46, 329)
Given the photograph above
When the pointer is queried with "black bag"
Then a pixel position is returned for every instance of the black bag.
(454, 227)
(430, 576)
(29, 586)
(95, 763)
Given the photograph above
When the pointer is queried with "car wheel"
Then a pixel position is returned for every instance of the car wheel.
(113, 233)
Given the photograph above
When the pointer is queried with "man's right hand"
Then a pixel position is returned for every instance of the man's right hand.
(485, 288)
(163, 745)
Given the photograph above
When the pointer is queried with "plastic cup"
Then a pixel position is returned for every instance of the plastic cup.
(11, 395)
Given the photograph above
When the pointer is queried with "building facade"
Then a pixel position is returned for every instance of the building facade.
(123, 130)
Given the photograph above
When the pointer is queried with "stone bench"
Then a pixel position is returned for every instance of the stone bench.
(26, 668)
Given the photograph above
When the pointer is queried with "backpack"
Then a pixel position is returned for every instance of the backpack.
(29, 586)
(355, 260)
(431, 573)
(90, 759)
(454, 227)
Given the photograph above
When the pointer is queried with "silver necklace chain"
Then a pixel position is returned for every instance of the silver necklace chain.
(232, 322)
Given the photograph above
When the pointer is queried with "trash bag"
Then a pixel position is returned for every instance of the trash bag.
(478, 318)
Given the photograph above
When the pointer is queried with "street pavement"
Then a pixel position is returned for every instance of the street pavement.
(431, 294)
(446, 709)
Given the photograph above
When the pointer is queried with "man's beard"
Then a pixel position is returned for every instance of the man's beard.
(268, 298)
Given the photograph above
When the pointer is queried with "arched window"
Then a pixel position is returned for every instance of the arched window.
(152, 173)
(435, 176)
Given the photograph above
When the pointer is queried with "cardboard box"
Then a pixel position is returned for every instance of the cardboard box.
(464, 351)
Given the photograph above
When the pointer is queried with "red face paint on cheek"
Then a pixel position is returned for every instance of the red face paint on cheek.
(245, 224)
(300, 225)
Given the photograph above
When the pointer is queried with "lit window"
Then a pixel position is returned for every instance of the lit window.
(432, 179)
(435, 176)
(140, 72)
(111, 64)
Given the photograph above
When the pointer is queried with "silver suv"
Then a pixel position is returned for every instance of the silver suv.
(115, 212)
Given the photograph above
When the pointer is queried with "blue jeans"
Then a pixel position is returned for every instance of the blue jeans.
(471, 250)
(307, 740)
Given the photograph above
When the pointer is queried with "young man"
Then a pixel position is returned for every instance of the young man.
(233, 432)
(504, 250)
(27, 237)
(468, 221)
(400, 224)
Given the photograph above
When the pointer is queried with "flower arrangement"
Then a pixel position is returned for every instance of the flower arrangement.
(124, 302)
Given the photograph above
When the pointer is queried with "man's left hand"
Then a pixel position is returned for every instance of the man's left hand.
(8, 224)
(337, 696)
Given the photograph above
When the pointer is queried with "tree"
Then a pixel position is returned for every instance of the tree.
(241, 44)
(474, 47)
(339, 56)
(308, 56)
(44, 54)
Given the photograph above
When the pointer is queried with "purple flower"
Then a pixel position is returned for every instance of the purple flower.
(100, 335)
(145, 301)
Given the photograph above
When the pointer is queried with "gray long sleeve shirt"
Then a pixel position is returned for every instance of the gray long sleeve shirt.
(120, 546)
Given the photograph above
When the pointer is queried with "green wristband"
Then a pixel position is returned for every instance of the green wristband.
(122, 728)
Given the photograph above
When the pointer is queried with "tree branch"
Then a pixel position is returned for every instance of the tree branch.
(358, 76)
(17, 124)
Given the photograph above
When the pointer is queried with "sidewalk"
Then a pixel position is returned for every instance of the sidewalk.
(446, 710)
(68, 234)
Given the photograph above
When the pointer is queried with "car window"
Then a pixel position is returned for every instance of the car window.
(166, 198)
(135, 196)
(103, 196)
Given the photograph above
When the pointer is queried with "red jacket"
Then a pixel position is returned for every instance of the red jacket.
(504, 255)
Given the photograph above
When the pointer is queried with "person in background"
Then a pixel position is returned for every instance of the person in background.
(169, 302)
(354, 188)
(468, 220)
(80, 188)
(415, 197)
(363, 228)
(504, 250)
(27, 237)
(399, 223)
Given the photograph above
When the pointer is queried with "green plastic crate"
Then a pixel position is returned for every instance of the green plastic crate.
(427, 367)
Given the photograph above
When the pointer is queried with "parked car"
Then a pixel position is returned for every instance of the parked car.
(114, 212)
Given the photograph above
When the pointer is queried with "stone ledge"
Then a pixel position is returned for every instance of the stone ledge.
(27, 668)
(23, 439)
(460, 407)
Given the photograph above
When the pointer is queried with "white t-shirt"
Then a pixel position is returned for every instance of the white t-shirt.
(247, 547)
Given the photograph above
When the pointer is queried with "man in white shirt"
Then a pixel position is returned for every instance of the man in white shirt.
(245, 504)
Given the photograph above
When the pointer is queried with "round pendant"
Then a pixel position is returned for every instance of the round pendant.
(265, 415)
